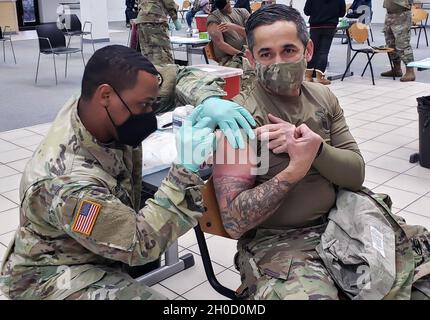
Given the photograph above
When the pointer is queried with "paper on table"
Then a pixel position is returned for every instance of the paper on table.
(164, 119)
(158, 151)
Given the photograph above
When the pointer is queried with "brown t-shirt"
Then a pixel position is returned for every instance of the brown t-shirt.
(237, 41)
(319, 109)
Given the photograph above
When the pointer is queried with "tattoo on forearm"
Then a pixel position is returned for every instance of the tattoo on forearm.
(244, 210)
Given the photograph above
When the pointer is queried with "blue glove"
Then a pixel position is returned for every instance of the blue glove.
(178, 25)
(228, 116)
(194, 144)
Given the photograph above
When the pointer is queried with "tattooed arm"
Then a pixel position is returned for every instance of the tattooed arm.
(243, 206)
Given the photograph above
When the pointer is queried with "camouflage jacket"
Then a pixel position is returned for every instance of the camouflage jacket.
(397, 6)
(187, 85)
(377, 247)
(156, 11)
(80, 207)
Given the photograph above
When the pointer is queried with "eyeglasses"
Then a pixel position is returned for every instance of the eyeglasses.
(154, 104)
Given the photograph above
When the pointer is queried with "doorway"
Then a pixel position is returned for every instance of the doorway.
(28, 14)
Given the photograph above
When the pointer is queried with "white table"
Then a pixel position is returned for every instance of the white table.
(189, 43)
(421, 64)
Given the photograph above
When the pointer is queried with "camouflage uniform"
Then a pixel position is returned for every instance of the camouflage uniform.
(187, 85)
(294, 264)
(397, 30)
(69, 168)
(154, 31)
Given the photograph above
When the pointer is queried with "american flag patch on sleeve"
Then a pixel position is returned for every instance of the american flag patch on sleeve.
(86, 217)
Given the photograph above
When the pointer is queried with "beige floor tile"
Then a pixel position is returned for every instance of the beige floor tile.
(9, 220)
(420, 172)
(400, 198)
(402, 153)
(12, 196)
(415, 219)
(10, 183)
(6, 238)
(189, 278)
(165, 292)
(7, 146)
(375, 146)
(6, 204)
(15, 134)
(14, 155)
(421, 207)
(409, 183)
(394, 139)
(221, 250)
(29, 141)
(19, 165)
(6, 171)
(378, 175)
(392, 164)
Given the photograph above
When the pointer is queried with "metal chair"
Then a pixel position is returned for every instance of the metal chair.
(4, 38)
(359, 33)
(52, 41)
(72, 27)
(211, 223)
(419, 22)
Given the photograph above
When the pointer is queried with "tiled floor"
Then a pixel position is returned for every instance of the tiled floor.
(383, 118)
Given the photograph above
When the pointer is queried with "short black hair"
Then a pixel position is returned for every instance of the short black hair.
(115, 65)
(220, 4)
(270, 14)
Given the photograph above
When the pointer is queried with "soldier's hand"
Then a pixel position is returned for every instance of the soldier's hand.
(302, 147)
(227, 26)
(276, 133)
(228, 116)
(194, 143)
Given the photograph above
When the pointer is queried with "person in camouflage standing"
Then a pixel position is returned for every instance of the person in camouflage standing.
(154, 31)
(80, 217)
(397, 30)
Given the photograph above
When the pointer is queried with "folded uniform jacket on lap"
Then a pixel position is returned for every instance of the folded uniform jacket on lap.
(365, 249)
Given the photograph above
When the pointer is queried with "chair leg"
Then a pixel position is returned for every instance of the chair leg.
(365, 68)
(92, 42)
(65, 72)
(371, 68)
(83, 59)
(68, 42)
(427, 40)
(55, 70)
(13, 51)
(348, 66)
(419, 36)
(371, 34)
(37, 69)
(4, 52)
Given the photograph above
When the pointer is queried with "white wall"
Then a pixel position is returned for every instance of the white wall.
(48, 10)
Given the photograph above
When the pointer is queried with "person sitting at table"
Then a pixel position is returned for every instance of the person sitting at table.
(199, 7)
(226, 26)
(323, 19)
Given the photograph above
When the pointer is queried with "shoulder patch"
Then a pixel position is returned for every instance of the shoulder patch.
(86, 217)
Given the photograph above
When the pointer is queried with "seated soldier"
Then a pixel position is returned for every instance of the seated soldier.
(226, 26)
(279, 214)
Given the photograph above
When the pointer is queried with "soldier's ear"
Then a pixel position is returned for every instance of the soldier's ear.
(249, 56)
(309, 51)
(103, 94)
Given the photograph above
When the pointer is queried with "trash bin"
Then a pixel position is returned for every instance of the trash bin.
(424, 130)
(232, 77)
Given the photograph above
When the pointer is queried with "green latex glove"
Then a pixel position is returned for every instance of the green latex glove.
(171, 26)
(178, 25)
(228, 116)
(194, 143)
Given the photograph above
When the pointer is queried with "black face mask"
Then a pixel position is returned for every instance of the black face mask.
(136, 128)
